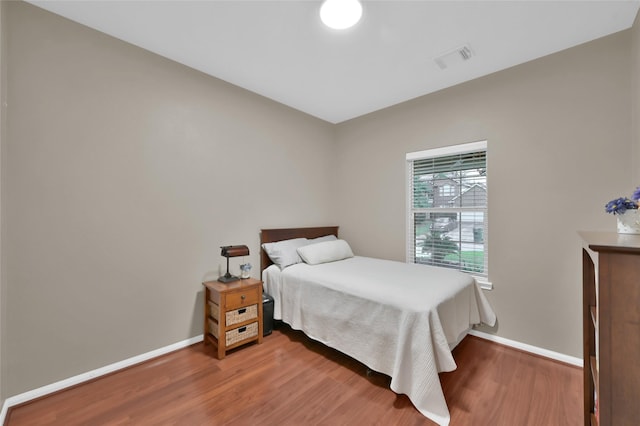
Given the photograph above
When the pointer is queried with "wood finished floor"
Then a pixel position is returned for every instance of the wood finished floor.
(292, 380)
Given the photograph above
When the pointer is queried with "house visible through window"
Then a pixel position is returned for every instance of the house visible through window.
(447, 190)
(447, 208)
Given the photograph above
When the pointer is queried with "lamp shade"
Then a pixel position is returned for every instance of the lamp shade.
(234, 251)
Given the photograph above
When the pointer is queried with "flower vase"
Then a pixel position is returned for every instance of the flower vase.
(629, 222)
(245, 271)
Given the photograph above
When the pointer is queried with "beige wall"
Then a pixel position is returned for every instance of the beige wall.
(635, 109)
(125, 173)
(558, 132)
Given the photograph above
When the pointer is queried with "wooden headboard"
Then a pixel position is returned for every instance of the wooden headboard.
(273, 235)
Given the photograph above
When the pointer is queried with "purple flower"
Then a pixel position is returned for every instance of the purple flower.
(620, 205)
(636, 194)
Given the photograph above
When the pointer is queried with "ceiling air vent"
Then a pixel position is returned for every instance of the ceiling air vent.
(452, 57)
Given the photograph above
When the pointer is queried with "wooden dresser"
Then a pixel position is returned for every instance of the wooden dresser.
(232, 314)
(611, 328)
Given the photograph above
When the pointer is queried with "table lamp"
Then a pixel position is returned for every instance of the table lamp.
(232, 251)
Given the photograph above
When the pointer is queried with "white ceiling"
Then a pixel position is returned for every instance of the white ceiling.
(281, 50)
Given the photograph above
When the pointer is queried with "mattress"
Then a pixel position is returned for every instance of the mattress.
(398, 319)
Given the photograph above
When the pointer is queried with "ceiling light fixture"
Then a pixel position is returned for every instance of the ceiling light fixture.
(340, 14)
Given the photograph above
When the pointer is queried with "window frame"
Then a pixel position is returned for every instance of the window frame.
(465, 148)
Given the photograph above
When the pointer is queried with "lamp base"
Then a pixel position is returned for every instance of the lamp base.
(228, 278)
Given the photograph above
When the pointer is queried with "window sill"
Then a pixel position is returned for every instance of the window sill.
(484, 283)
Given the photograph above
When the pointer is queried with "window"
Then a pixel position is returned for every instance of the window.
(447, 190)
(447, 208)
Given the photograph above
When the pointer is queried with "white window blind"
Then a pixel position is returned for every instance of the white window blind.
(447, 208)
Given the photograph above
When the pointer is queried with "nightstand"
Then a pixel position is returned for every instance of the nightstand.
(232, 314)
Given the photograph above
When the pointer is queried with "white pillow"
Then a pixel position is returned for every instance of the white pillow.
(327, 251)
(322, 239)
(283, 253)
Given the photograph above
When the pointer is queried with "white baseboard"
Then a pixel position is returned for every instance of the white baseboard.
(567, 359)
(80, 378)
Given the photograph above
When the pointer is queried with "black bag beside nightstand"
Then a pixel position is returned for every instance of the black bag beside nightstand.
(267, 314)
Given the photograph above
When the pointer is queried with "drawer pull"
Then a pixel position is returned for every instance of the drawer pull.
(242, 329)
(243, 297)
(242, 311)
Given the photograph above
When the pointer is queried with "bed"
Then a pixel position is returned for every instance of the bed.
(398, 319)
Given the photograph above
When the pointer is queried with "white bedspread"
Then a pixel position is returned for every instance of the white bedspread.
(398, 319)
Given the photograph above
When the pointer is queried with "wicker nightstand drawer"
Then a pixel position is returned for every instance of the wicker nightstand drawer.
(213, 328)
(240, 315)
(235, 316)
(241, 333)
(237, 334)
(214, 310)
